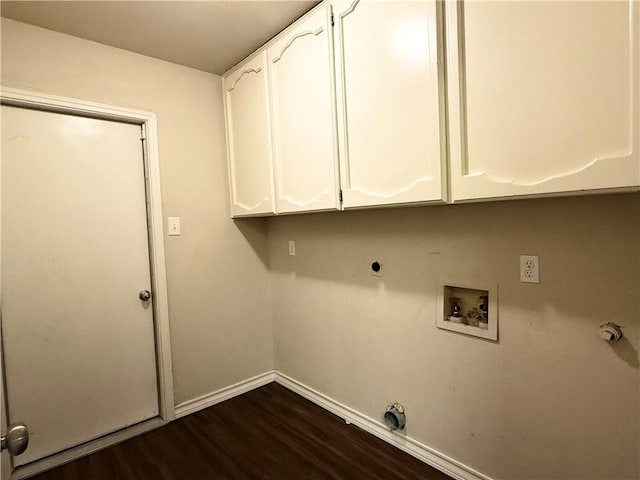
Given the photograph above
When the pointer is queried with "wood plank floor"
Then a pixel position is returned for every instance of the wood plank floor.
(268, 433)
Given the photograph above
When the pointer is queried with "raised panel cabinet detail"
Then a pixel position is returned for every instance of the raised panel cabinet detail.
(301, 77)
(389, 87)
(543, 97)
(249, 139)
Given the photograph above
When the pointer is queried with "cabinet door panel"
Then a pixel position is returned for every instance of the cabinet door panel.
(388, 85)
(249, 144)
(303, 116)
(544, 97)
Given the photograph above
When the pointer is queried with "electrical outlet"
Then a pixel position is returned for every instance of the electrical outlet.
(292, 248)
(529, 269)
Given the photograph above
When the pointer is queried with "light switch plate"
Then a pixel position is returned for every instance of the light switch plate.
(173, 224)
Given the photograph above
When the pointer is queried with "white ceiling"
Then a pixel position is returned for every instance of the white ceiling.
(208, 35)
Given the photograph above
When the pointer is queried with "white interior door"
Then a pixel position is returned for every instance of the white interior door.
(79, 346)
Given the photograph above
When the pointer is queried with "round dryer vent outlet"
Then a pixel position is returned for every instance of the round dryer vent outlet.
(394, 416)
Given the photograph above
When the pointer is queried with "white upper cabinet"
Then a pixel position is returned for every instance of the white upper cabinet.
(539, 98)
(543, 97)
(303, 116)
(389, 85)
(249, 139)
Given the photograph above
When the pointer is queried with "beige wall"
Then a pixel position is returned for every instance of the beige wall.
(218, 337)
(550, 400)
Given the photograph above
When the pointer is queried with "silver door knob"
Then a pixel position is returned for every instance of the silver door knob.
(17, 439)
(144, 295)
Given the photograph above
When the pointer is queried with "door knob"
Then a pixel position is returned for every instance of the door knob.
(144, 295)
(17, 439)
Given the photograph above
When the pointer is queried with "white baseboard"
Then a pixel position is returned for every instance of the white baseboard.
(223, 394)
(413, 447)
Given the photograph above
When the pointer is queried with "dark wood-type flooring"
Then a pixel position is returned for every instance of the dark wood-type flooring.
(268, 433)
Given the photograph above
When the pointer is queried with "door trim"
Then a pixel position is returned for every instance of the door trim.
(148, 123)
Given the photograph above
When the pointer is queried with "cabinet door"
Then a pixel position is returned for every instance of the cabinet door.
(305, 158)
(389, 84)
(249, 139)
(543, 97)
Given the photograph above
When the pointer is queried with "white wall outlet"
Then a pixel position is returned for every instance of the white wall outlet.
(292, 248)
(529, 269)
(173, 223)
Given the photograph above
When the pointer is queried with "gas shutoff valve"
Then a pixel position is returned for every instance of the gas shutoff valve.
(610, 332)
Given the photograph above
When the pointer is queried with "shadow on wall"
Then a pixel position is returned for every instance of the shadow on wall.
(254, 231)
(589, 250)
(625, 351)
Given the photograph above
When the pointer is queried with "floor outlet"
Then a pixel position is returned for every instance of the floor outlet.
(529, 269)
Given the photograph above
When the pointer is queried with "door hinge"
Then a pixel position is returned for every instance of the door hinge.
(145, 154)
(143, 133)
(332, 22)
(340, 195)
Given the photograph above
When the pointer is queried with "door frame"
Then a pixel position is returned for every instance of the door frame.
(148, 124)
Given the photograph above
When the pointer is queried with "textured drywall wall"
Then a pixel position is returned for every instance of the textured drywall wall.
(218, 283)
(549, 400)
